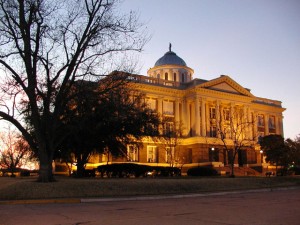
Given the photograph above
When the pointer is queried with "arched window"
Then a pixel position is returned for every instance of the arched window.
(166, 76)
(174, 77)
(182, 78)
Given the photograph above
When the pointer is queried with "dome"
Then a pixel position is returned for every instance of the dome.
(170, 58)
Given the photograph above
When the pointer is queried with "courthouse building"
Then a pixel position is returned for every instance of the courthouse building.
(202, 109)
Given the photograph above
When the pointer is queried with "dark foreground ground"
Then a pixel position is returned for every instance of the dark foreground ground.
(66, 187)
(276, 207)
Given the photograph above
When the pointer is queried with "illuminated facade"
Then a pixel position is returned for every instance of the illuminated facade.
(203, 108)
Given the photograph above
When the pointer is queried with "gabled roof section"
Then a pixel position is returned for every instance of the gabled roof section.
(225, 84)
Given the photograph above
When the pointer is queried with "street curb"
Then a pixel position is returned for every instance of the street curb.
(39, 201)
(158, 197)
(140, 198)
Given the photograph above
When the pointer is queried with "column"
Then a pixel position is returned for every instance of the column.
(160, 112)
(177, 116)
(160, 106)
(188, 115)
(197, 116)
(221, 118)
(207, 119)
(280, 125)
(255, 129)
(250, 120)
(277, 129)
(232, 119)
(266, 117)
(193, 118)
(218, 118)
(246, 122)
(203, 118)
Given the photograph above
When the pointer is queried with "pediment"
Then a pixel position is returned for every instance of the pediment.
(226, 84)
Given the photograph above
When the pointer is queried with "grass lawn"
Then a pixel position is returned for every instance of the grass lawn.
(23, 188)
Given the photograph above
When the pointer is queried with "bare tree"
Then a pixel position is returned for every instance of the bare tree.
(46, 45)
(170, 139)
(235, 132)
(14, 151)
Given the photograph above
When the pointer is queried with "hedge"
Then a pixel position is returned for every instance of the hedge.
(136, 170)
(202, 171)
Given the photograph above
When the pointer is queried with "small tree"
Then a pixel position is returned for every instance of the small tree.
(275, 149)
(14, 152)
(170, 139)
(234, 130)
(294, 150)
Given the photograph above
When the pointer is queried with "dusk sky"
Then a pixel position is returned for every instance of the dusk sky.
(255, 42)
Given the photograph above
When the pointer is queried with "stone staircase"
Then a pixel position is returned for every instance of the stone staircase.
(238, 171)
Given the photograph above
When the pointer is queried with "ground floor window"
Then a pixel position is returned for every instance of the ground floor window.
(213, 154)
(170, 154)
(152, 154)
(132, 153)
(213, 131)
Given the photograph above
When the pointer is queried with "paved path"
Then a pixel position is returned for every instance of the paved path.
(272, 207)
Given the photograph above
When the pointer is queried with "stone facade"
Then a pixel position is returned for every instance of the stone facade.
(203, 108)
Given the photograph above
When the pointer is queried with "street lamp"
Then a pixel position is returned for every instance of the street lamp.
(261, 156)
(212, 154)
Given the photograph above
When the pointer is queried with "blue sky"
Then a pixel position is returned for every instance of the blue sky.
(255, 42)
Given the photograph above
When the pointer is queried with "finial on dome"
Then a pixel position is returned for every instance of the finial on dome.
(170, 46)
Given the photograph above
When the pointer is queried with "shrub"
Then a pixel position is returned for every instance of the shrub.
(25, 173)
(295, 170)
(86, 173)
(202, 171)
(136, 170)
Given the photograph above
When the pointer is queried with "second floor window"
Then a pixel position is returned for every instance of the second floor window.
(152, 103)
(226, 114)
(168, 108)
(212, 113)
(260, 121)
(272, 122)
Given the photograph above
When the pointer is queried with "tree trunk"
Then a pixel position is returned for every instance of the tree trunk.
(45, 171)
(232, 169)
(80, 169)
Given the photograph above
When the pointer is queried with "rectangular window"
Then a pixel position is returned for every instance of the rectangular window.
(272, 122)
(213, 154)
(152, 103)
(132, 153)
(260, 121)
(213, 131)
(168, 108)
(212, 113)
(151, 154)
(168, 128)
(226, 114)
(170, 154)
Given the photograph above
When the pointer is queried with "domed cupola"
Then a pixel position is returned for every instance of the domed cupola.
(170, 58)
(172, 68)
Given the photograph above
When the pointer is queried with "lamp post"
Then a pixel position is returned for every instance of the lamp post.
(261, 161)
(261, 156)
(212, 154)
